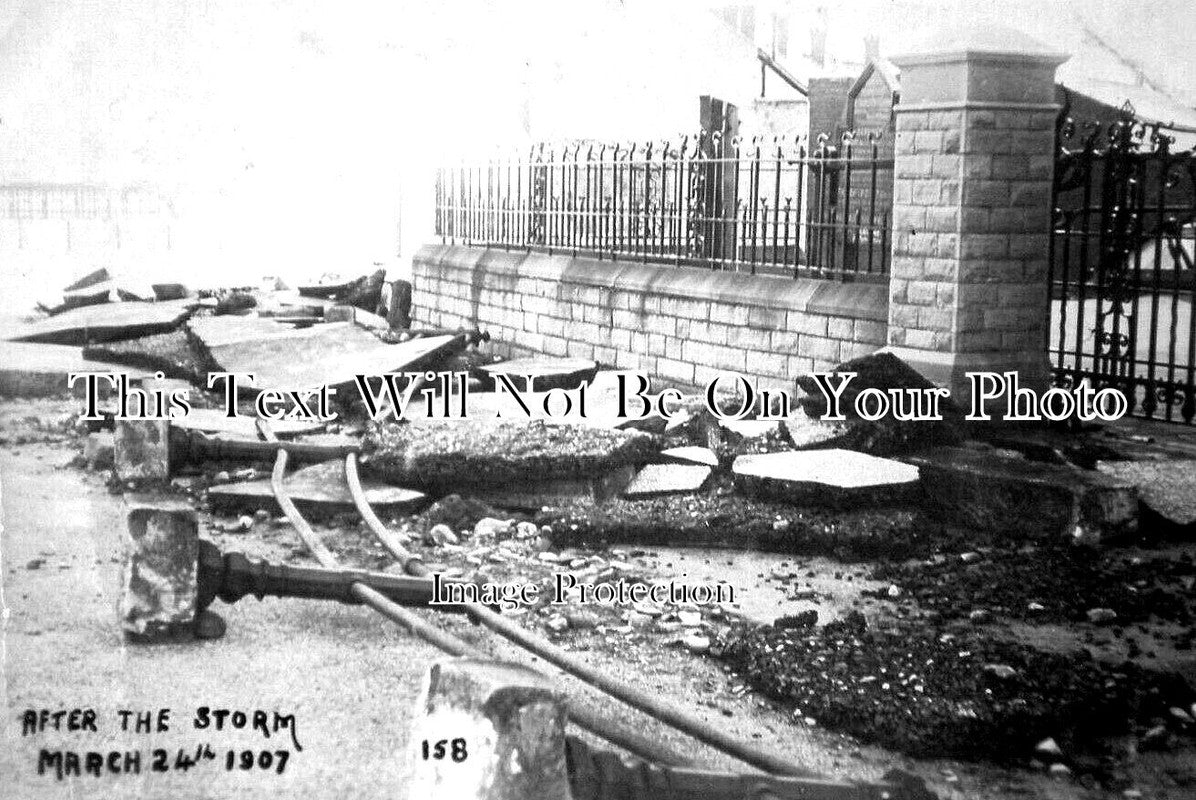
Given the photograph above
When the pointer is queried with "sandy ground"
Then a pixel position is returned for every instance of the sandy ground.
(351, 678)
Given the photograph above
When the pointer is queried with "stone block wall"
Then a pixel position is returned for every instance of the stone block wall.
(681, 325)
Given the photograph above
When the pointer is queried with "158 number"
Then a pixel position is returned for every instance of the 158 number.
(445, 748)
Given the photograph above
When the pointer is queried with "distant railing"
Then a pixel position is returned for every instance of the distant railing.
(764, 206)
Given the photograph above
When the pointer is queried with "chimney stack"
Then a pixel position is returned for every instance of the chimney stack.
(871, 48)
(818, 38)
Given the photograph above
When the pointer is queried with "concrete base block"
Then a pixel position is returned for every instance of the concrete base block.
(160, 583)
(142, 451)
(487, 730)
(1026, 499)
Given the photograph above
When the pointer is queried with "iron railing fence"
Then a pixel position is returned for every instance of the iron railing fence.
(758, 206)
(1123, 277)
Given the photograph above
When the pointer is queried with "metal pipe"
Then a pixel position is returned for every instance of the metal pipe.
(541, 647)
(633, 743)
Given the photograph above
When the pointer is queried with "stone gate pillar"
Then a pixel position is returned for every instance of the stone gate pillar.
(973, 168)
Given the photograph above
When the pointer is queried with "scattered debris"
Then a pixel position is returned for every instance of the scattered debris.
(926, 692)
(1056, 583)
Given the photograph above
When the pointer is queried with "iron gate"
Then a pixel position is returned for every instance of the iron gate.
(1121, 264)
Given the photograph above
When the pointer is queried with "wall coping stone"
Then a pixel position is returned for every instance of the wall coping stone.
(854, 300)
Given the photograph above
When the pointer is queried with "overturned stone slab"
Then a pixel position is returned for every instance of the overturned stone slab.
(103, 323)
(551, 373)
(1166, 490)
(476, 453)
(657, 479)
(317, 490)
(825, 477)
(806, 433)
(888, 435)
(1004, 493)
(288, 359)
(690, 454)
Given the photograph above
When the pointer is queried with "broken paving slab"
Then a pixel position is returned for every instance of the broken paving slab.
(690, 454)
(169, 353)
(475, 453)
(287, 359)
(531, 496)
(318, 490)
(833, 477)
(551, 373)
(658, 479)
(1166, 490)
(103, 323)
(211, 420)
(1002, 492)
(41, 370)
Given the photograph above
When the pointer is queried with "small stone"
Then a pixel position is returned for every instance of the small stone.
(1059, 771)
(647, 609)
(580, 619)
(969, 557)
(261, 515)
(1181, 716)
(1156, 738)
(980, 616)
(894, 590)
(526, 530)
(1101, 616)
(557, 624)
(221, 477)
(440, 534)
(1036, 608)
(690, 619)
(1048, 747)
(696, 643)
(489, 526)
(1000, 671)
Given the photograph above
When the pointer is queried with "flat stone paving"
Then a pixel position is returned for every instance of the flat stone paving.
(658, 479)
(824, 476)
